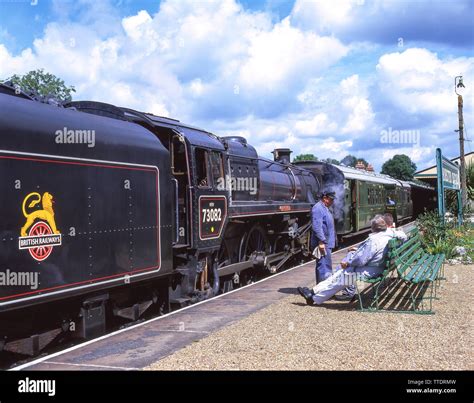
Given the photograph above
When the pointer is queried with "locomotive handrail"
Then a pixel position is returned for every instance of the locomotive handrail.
(176, 206)
(295, 188)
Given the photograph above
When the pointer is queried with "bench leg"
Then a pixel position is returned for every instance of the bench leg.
(441, 277)
(375, 299)
(359, 295)
(414, 299)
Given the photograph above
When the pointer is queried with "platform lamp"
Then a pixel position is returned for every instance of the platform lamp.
(458, 84)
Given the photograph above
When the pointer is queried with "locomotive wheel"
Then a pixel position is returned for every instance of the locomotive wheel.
(281, 244)
(255, 240)
(224, 259)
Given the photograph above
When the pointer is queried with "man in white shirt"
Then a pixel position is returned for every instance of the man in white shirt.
(399, 234)
(349, 292)
(366, 262)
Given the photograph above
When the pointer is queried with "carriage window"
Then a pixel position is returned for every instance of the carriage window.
(202, 168)
(216, 168)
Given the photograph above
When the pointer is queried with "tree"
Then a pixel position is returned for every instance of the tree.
(43, 84)
(305, 157)
(331, 161)
(399, 167)
(351, 161)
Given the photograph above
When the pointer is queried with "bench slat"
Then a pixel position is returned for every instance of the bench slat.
(425, 259)
(403, 266)
(407, 275)
(406, 245)
(406, 255)
(433, 269)
(436, 270)
(425, 271)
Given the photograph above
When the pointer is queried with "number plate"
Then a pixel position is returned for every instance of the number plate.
(212, 215)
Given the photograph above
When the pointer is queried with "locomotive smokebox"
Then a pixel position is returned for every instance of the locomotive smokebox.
(282, 155)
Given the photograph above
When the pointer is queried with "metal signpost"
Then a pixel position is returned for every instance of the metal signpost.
(448, 178)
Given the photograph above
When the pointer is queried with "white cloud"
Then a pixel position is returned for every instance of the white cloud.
(324, 15)
(236, 62)
(138, 27)
(319, 124)
(219, 66)
(385, 21)
(358, 107)
(418, 81)
(286, 55)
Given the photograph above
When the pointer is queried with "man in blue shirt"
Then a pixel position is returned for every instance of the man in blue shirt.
(324, 235)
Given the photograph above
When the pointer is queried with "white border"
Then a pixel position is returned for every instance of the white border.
(125, 277)
(223, 221)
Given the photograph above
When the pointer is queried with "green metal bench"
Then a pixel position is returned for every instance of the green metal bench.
(416, 269)
(419, 270)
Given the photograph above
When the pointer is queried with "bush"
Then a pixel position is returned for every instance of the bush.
(439, 237)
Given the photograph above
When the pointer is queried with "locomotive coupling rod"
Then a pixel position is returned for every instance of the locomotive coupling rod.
(274, 269)
(273, 258)
(235, 268)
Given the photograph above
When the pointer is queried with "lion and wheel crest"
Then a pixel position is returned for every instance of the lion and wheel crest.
(39, 234)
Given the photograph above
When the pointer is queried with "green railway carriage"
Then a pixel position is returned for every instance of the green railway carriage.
(360, 195)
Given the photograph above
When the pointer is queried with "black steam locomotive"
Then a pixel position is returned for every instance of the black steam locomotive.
(111, 211)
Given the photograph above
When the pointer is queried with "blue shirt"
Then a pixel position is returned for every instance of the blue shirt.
(323, 226)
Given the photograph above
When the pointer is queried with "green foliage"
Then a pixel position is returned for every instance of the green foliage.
(442, 238)
(43, 84)
(305, 157)
(451, 196)
(331, 161)
(470, 181)
(400, 167)
(351, 161)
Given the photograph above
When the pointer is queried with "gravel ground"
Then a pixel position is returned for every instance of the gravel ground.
(289, 335)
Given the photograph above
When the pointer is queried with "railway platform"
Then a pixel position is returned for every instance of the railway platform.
(267, 325)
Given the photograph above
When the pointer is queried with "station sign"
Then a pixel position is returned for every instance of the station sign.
(449, 176)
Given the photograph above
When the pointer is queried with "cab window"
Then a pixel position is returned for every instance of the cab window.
(217, 168)
(202, 168)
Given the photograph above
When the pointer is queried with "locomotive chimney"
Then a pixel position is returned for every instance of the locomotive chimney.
(282, 155)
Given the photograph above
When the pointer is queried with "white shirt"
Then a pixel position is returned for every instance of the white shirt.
(399, 234)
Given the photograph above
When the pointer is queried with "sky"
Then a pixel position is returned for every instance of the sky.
(371, 78)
